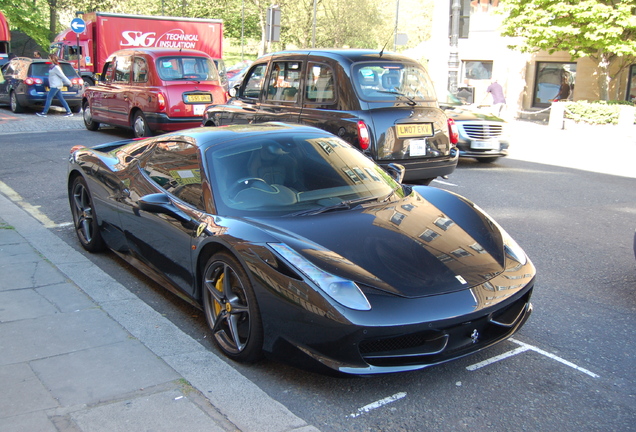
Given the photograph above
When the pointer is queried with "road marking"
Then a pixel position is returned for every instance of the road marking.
(32, 210)
(444, 182)
(527, 347)
(365, 409)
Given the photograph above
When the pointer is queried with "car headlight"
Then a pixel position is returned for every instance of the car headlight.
(344, 291)
(513, 249)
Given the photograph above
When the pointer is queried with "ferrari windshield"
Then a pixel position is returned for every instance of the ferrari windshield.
(293, 174)
(393, 81)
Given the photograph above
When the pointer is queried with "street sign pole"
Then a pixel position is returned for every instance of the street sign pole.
(78, 25)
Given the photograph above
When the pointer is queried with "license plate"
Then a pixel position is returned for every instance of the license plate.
(485, 145)
(414, 130)
(62, 89)
(417, 147)
(198, 109)
(199, 98)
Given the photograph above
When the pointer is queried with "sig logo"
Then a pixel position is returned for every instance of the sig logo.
(138, 39)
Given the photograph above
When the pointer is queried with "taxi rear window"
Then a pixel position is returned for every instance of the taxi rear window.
(392, 81)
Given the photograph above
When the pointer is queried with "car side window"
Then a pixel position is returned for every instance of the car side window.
(254, 81)
(284, 81)
(122, 69)
(320, 83)
(174, 165)
(140, 70)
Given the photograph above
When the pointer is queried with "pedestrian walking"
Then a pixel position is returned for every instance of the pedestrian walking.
(498, 98)
(57, 80)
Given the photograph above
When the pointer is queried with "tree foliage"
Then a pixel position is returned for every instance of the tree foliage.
(604, 30)
(338, 23)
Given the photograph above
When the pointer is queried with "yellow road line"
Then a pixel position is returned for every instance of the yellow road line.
(31, 209)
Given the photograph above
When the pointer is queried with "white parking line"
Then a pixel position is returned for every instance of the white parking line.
(527, 347)
(444, 182)
(378, 404)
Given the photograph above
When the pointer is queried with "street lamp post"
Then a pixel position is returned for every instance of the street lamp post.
(453, 59)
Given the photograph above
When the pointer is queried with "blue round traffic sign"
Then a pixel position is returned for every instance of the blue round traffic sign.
(78, 25)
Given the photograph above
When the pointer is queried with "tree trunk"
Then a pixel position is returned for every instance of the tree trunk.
(52, 19)
(603, 75)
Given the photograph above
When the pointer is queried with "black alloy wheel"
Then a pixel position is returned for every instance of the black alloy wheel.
(84, 218)
(231, 309)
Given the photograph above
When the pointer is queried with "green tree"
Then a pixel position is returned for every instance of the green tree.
(28, 18)
(603, 30)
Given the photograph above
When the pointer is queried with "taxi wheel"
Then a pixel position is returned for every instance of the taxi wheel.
(140, 126)
(88, 118)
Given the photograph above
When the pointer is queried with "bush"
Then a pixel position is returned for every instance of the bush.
(596, 112)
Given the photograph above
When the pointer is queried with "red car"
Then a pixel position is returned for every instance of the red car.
(153, 89)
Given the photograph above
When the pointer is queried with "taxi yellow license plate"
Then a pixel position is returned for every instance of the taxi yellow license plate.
(199, 98)
(414, 130)
(62, 89)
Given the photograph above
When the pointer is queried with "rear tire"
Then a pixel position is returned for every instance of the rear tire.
(84, 217)
(140, 126)
(88, 118)
(15, 104)
(486, 159)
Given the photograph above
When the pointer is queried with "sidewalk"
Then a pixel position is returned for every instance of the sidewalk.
(79, 352)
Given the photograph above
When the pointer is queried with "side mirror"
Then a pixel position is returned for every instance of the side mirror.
(234, 91)
(161, 203)
(396, 171)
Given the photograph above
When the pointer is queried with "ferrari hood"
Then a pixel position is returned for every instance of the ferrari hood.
(412, 247)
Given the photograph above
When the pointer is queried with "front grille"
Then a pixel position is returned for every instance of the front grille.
(482, 131)
(438, 345)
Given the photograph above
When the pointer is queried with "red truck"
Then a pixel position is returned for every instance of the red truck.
(106, 33)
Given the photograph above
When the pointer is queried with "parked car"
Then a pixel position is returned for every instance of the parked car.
(296, 244)
(153, 89)
(26, 85)
(382, 103)
(482, 135)
(221, 69)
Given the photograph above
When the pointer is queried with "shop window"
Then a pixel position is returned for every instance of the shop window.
(554, 82)
(477, 70)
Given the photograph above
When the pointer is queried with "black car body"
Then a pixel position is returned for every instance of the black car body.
(482, 135)
(296, 244)
(27, 85)
(382, 103)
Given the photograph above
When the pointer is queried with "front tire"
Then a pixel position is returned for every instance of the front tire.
(140, 126)
(84, 217)
(231, 309)
(15, 104)
(88, 118)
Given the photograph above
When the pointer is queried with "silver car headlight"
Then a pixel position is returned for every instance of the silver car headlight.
(344, 291)
(513, 250)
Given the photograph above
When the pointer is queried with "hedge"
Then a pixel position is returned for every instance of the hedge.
(595, 112)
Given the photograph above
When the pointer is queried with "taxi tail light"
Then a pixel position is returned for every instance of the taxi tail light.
(33, 81)
(161, 100)
(363, 135)
(452, 131)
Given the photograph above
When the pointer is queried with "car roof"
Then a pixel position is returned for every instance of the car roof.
(160, 52)
(352, 55)
(210, 136)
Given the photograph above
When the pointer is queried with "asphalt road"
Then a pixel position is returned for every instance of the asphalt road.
(571, 368)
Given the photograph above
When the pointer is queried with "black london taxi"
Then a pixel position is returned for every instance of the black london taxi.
(382, 103)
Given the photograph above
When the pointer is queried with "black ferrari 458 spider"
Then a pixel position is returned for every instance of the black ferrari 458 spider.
(296, 244)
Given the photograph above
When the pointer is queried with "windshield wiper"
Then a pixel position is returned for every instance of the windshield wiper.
(343, 205)
(411, 101)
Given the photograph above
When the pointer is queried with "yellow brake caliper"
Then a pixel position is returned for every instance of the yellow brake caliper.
(219, 288)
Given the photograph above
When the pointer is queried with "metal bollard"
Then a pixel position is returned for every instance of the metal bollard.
(557, 115)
